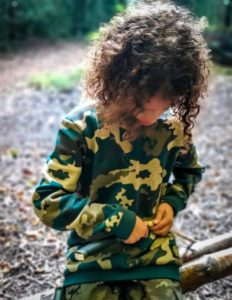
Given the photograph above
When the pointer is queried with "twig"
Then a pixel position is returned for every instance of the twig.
(34, 280)
(150, 224)
(185, 237)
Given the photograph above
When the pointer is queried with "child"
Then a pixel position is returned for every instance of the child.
(108, 179)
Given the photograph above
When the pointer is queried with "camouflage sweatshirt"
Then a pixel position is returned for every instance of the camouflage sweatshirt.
(94, 184)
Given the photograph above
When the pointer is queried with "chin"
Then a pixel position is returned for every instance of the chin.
(147, 123)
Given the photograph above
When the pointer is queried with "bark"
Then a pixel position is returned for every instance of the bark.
(207, 268)
(211, 245)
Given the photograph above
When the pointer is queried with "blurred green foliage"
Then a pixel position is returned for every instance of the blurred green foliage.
(20, 19)
(218, 33)
(93, 35)
(59, 19)
(218, 12)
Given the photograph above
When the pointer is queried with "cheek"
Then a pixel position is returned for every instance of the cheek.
(146, 117)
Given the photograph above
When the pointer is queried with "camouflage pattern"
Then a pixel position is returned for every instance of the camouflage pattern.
(94, 184)
(155, 289)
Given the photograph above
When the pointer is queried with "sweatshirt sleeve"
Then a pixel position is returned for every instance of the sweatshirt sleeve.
(55, 199)
(187, 173)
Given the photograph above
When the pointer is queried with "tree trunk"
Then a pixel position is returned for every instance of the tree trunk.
(228, 15)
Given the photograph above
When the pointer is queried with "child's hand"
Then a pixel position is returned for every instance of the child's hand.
(163, 220)
(140, 230)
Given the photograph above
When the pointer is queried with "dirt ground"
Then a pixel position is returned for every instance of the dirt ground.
(31, 255)
(38, 56)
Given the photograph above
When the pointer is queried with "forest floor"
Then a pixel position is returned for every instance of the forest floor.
(32, 255)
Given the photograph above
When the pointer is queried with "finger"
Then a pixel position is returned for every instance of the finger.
(162, 232)
(167, 227)
(129, 241)
(159, 216)
(141, 234)
(147, 232)
(165, 222)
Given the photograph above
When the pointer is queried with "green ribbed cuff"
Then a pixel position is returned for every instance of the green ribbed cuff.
(126, 225)
(176, 203)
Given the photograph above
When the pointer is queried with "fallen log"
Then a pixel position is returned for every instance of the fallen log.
(208, 268)
(199, 248)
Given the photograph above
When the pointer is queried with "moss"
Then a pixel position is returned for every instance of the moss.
(60, 82)
(222, 70)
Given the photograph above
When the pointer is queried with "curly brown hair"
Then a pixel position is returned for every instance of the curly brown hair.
(152, 47)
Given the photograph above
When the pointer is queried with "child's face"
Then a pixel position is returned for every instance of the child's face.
(152, 110)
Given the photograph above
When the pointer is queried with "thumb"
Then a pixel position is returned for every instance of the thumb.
(159, 215)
